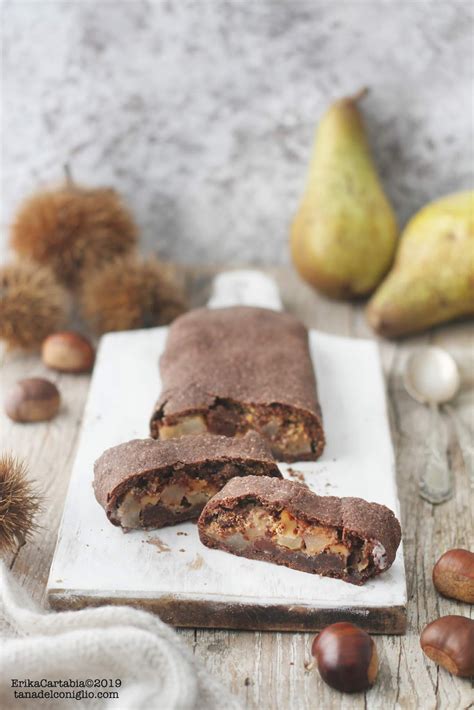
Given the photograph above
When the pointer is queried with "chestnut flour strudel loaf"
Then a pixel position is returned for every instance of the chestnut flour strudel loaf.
(231, 370)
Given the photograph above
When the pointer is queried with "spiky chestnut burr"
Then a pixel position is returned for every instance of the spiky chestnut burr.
(73, 229)
(131, 292)
(19, 504)
(32, 304)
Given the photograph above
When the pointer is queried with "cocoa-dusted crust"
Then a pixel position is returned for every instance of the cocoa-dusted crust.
(121, 467)
(216, 360)
(353, 516)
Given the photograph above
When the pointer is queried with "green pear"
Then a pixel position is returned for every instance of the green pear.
(344, 233)
(432, 280)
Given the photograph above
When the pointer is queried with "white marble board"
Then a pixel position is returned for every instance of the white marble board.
(169, 571)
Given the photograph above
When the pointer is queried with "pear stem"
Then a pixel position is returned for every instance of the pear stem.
(358, 95)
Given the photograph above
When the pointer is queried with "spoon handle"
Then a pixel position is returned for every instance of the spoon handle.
(436, 485)
(468, 447)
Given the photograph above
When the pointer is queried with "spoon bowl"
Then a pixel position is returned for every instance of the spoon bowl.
(431, 376)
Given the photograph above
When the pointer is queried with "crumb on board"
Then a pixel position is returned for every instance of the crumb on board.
(182, 550)
(197, 563)
(159, 544)
(180, 532)
(296, 475)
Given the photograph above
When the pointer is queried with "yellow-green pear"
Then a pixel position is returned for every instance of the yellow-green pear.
(432, 280)
(344, 233)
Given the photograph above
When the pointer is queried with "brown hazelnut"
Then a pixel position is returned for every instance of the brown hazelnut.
(32, 400)
(449, 642)
(453, 575)
(346, 657)
(68, 351)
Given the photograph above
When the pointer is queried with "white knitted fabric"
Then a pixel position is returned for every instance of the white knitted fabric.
(158, 672)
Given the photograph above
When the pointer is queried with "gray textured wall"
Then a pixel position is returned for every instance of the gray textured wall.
(203, 113)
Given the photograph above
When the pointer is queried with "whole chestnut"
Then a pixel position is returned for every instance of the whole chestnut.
(346, 657)
(68, 351)
(449, 642)
(453, 575)
(32, 400)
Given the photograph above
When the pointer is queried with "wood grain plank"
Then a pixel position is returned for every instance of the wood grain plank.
(48, 449)
(427, 533)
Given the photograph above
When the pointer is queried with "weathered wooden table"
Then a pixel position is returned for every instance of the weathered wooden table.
(267, 670)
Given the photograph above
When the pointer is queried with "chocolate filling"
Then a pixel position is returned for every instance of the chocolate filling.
(252, 530)
(291, 435)
(169, 496)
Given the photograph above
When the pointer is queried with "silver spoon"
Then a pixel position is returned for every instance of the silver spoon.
(432, 377)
